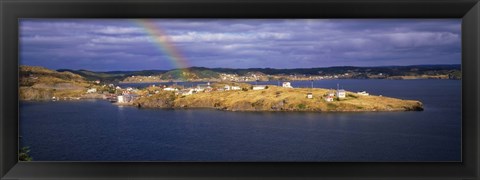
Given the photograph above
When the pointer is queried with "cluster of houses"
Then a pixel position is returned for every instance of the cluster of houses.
(331, 94)
(128, 95)
(200, 88)
(340, 93)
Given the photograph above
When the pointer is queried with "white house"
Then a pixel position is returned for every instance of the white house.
(331, 93)
(363, 93)
(309, 95)
(170, 89)
(286, 85)
(121, 99)
(227, 88)
(127, 98)
(235, 88)
(187, 92)
(92, 90)
(341, 93)
(259, 87)
(329, 98)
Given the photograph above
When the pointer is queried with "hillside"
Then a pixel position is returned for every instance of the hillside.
(277, 99)
(38, 83)
(265, 74)
(112, 76)
(192, 74)
(358, 72)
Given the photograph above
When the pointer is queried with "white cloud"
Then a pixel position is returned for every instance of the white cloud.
(224, 37)
(109, 39)
(115, 30)
(50, 39)
(415, 39)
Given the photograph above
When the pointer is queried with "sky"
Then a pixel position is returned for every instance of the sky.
(164, 44)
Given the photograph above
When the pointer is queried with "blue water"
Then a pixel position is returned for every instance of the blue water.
(96, 130)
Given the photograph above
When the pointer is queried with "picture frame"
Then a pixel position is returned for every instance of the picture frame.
(11, 11)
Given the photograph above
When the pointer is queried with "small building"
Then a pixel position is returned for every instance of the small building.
(331, 93)
(259, 87)
(127, 98)
(286, 85)
(309, 95)
(186, 92)
(363, 93)
(97, 82)
(329, 98)
(120, 99)
(203, 87)
(92, 90)
(341, 93)
(170, 89)
(235, 88)
(227, 88)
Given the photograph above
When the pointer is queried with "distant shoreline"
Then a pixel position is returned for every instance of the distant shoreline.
(149, 82)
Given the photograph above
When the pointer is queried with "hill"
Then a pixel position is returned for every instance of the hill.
(38, 83)
(190, 74)
(214, 74)
(112, 76)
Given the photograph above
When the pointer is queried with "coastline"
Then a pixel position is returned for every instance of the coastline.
(389, 78)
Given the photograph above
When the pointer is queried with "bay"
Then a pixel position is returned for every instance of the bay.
(96, 130)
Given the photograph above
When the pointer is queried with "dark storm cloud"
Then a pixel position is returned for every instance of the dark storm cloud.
(126, 45)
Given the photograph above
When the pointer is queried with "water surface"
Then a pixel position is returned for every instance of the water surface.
(97, 130)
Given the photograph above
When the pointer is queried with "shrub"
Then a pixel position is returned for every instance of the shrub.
(23, 154)
(331, 106)
(352, 96)
(302, 106)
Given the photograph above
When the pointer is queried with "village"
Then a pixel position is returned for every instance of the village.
(129, 94)
(252, 76)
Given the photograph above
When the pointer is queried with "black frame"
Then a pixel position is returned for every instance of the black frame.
(11, 10)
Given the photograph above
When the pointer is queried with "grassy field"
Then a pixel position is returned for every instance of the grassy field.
(279, 99)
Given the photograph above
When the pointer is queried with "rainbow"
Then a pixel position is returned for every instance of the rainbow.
(163, 42)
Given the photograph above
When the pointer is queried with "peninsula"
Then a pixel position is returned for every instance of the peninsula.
(275, 98)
